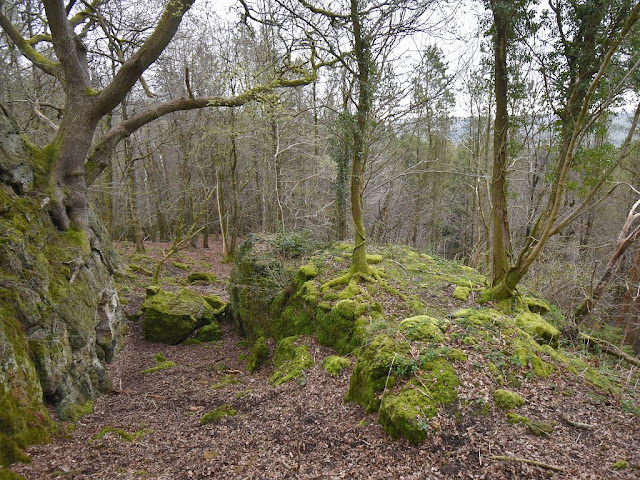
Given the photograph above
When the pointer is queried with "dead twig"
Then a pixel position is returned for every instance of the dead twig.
(609, 348)
(584, 426)
(528, 461)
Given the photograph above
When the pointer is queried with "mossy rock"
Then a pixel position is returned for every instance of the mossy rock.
(423, 328)
(481, 317)
(203, 277)
(537, 305)
(461, 293)
(406, 414)
(216, 303)
(290, 360)
(160, 366)
(209, 333)
(540, 428)
(259, 355)
(335, 364)
(374, 259)
(337, 328)
(542, 331)
(217, 414)
(507, 400)
(374, 370)
(171, 317)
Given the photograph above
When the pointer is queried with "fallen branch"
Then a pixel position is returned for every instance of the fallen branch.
(584, 426)
(609, 348)
(529, 462)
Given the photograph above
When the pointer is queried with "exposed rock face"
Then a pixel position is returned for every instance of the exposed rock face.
(61, 317)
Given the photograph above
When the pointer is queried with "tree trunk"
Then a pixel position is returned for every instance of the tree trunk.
(501, 241)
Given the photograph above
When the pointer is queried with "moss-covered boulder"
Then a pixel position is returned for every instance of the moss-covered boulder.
(422, 328)
(170, 317)
(542, 331)
(406, 413)
(290, 360)
(377, 367)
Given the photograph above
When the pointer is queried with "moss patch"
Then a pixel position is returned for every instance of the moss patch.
(620, 465)
(507, 400)
(160, 366)
(259, 355)
(335, 364)
(217, 414)
(461, 293)
(121, 433)
(290, 361)
(209, 333)
(542, 331)
(422, 327)
(406, 414)
(203, 277)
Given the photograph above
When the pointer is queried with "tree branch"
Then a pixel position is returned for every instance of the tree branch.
(101, 155)
(69, 49)
(134, 67)
(26, 48)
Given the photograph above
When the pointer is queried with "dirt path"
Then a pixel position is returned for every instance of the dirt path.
(297, 430)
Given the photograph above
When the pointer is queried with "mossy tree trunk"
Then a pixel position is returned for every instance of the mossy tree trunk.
(500, 233)
(360, 141)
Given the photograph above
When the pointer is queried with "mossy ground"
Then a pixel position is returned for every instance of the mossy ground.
(413, 326)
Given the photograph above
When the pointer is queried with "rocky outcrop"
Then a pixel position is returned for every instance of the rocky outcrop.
(61, 317)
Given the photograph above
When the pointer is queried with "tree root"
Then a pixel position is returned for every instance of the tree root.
(609, 348)
(529, 462)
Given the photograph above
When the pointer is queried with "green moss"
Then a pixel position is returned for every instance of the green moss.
(224, 381)
(159, 358)
(123, 434)
(160, 366)
(215, 301)
(337, 328)
(542, 331)
(209, 333)
(259, 354)
(507, 400)
(457, 355)
(290, 360)
(540, 428)
(77, 411)
(349, 292)
(335, 364)
(537, 305)
(170, 317)
(191, 341)
(6, 474)
(422, 327)
(204, 277)
(181, 266)
(374, 259)
(461, 293)
(10, 452)
(308, 271)
(217, 414)
(376, 370)
(482, 317)
(620, 465)
(405, 414)
(152, 290)
(515, 418)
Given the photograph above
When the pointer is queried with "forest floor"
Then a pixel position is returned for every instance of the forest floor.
(149, 425)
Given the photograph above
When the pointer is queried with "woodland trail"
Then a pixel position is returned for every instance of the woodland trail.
(149, 426)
